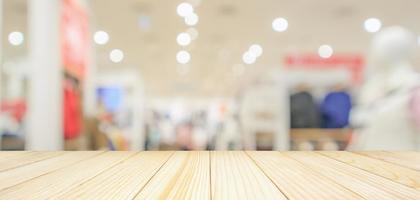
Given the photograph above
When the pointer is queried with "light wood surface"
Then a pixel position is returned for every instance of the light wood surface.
(210, 175)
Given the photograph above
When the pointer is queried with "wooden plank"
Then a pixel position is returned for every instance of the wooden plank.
(364, 183)
(8, 154)
(405, 159)
(297, 181)
(209, 175)
(19, 160)
(122, 181)
(64, 179)
(390, 171)
(235, 176)
(33, 170)
(186, 175)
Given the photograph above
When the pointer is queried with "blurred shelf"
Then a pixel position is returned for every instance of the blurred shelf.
(319, 134)
(320, 139)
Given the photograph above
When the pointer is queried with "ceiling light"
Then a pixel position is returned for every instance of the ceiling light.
(372, 25)
(325, 51)
(183, 39)
(248, 58)
(184, 9)
(116, 55)
(16, 38)
(193, 33)
(191, 19)
(183, 57)
(256, 50)
(280, 24)
(101, 37)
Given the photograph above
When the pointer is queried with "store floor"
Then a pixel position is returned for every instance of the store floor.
(209, 175)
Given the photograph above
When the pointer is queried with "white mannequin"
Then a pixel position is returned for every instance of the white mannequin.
(383, 110)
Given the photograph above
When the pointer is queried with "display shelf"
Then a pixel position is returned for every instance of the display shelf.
(320, 139)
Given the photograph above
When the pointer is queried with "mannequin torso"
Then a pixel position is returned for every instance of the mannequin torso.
(383, 109)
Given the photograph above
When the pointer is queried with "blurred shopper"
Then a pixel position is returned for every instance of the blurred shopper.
(184, 136)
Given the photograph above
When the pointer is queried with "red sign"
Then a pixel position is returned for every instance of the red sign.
(16, 108)
(354, 63)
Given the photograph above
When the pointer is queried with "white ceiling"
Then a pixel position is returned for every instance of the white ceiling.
(226, 29)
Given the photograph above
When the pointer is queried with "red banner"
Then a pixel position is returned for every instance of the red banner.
(354, 63)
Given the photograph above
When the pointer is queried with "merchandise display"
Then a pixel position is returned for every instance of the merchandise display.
(208, 75)
(335, 109)
(264, 114)
(209, 99)
(72, 114)
(304, 112)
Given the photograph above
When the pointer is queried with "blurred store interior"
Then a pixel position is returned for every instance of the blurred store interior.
(209, 75)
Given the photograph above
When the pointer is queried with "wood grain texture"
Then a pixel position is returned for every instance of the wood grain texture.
(186, 175)
(365, 184)
(388, 170)
(4, 155)
(34, 170)
(10, 162)
(123, 181)
(64, 179)
(209, 175)
(405, 159)
(298, 181)
(235, 176)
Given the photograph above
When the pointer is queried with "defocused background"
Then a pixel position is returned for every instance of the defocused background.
(209, 75)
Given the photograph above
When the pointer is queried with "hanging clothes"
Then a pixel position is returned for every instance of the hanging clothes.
(335, 109)
(304, 112)
(71, 111)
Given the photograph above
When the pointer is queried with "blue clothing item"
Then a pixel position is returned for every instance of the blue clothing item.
(335, 110)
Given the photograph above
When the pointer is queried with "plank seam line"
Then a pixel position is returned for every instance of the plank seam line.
(105, 170)
(366, 171)
(391, 152)
(392, 163)
(269, 178)
(321, 175)
(150, 179)
(8, 156)
(51, 171)
(29, 163)
(375, 175)
(211, 192)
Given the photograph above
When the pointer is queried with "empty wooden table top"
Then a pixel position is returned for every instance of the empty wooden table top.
(210, 175)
